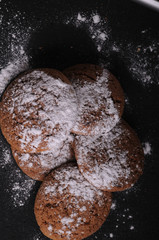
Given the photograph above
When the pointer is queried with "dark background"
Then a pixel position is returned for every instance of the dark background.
(64, 45)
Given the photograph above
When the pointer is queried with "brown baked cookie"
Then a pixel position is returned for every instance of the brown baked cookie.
(69, 207)
(38, 165)
(38, 110)
(100, 99)
(112, 161)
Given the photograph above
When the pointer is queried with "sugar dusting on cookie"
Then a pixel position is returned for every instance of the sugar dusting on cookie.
(102, 174)
(139, 66)
(48, 159)
(74, 199)
(51, 101)
(38, 165)
(91, 99)
(74, 183)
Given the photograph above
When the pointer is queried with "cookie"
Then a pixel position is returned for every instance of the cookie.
(69, 207)
(112, 161)
(100, 99)
(38, 165)
(38, 110)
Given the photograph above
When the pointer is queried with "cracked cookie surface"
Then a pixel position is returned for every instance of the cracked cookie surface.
(100, 98)
(112, 161)
(38, 110)
(38, 165)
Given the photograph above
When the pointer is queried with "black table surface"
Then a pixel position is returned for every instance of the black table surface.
(56, 40)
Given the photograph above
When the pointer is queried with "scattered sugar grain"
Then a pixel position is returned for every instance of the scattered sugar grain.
(80, 18)
(115, 48)
(5, 158)
(131, 227)
(18, 65)
(113, 206)
(20, 187)
(147, 148)
(21, 192)
(96, 26)
(96, 19)
(111, 235)
(102, 36)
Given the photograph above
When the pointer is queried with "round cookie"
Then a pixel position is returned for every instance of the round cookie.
(38, 165)
(100, 99)
(69, 207)
(38, 110)
(113, 161)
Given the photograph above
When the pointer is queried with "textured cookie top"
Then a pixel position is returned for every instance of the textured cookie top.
(38, 110)
(38, 165)
(100, 99)
(112, 161)
(69, 207)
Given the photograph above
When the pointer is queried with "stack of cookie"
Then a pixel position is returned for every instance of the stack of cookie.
(65, 129)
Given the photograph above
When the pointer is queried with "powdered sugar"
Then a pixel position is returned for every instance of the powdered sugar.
(5, 158)
(140, 66)
(20, 188)
(50, 228)
(73, 198)
(147, 148)
(70, 179)
(80, 18)
(94, 24)
(131, 227)
(111, 235)
(113, 206)
(37, 95)
(42, 163)
(100, 160)
(138, 62)
(91, 98)
(14, 58)
(96, 18)
(67, 221)
(137, 56)
(13, 69)
(21, 192)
